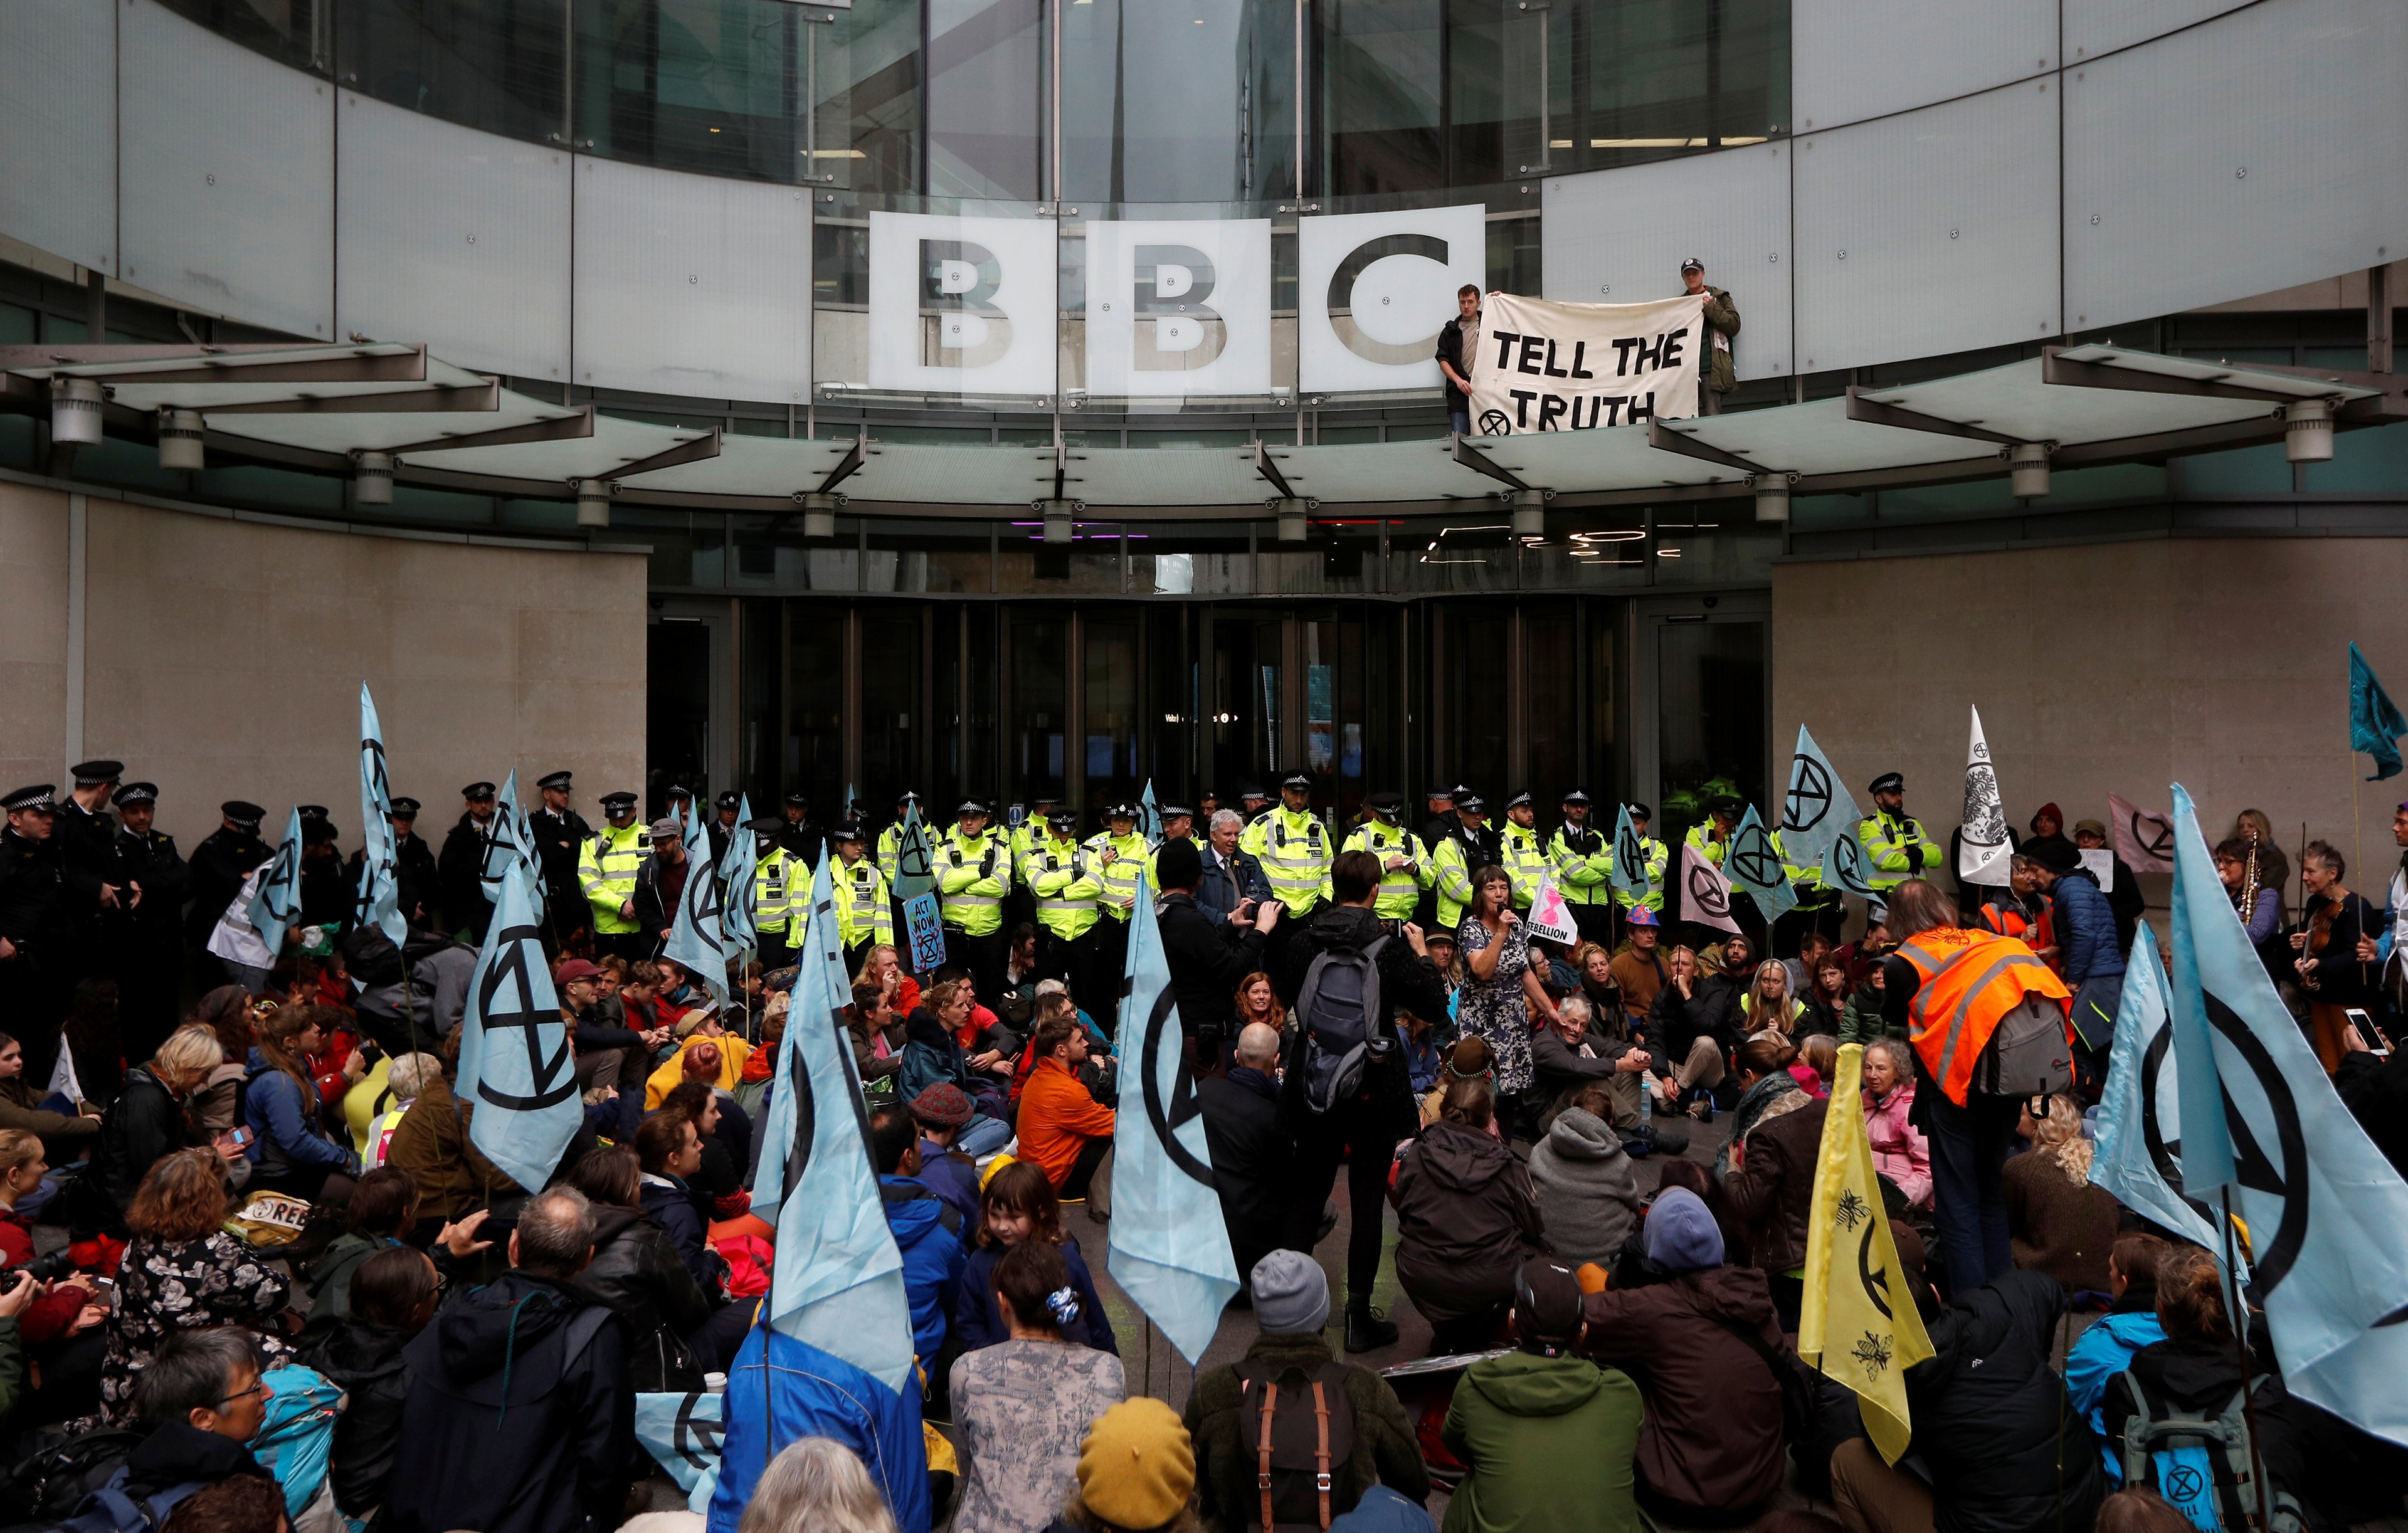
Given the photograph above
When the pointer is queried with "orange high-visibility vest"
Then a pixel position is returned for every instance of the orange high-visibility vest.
(1970, 980)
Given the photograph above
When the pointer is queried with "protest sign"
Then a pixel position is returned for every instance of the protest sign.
(1547, 367)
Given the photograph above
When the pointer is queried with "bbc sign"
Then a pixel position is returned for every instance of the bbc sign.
(1174, 307)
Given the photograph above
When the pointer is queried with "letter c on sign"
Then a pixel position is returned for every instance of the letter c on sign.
(960, 324)
(1341, 298)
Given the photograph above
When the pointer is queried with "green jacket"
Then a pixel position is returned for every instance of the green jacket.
(1548, 1442)
(1862, 1021)
(1385, 1451)
(1721, 319)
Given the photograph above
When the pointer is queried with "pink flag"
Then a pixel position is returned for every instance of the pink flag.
(2143, 839)
(1706, 893)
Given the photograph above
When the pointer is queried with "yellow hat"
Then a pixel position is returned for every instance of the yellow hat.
(1136, 1468)
(998, 1163)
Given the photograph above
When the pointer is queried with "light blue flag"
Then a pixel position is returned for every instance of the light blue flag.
(1819, 811)
(1170, 1248)
(696, 939)
(1629, 873)
(1844, 869)
(275, 905)
(378, 900)
(2327, 1216)
(852, 810)
(683, 1432)
(1756, 868)
(838, 1281)
(2374, 724)
(1149, 816)
(515, 1064)
(2139, 1155)
(916, 864)
(510, 842)
(735, 874)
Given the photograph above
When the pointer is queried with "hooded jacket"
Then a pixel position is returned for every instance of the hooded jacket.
(798, 1391)
(928, 1231)
(178, 1452)
(1900, 1151)
(2005, 1451)
(144, 1125)
(670, 1204)
(931, 1055)
(519, 1417)
(2102, 1352)
(1773, 1193)
(1547, 1444)
(637, 1271)
(366, 1362)
(1714, 1433)
(1466, 1220)
(1384, 1105)
(2085, 929)
(1588, 1197)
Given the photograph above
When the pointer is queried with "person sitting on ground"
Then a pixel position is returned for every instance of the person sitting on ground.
(289, 1152)
(393, 1297)
(62, 1310)
(1900, 1151)
(2058, 1220)
(1770, 1004)
(1382, 1460)
(875, 1031)
(1019, 1204)
(1640, 970)
(1817, 1062)
(1588, 1197)
(1578, 1051)
(726, 1138)
(933, 1056)
(926, 1230)
(382, 1210)
(1022, 1406)
(1251, 1151)
(200, 1402)
(1468, 1059)
(814, 1486)
(1136, 1474)
(941, 1112)
(637, 1271)
(2105, 1349)
(1866, 1017)
(856, 1459)
(148, 1122)
(66, 1136)
(1997, 1447)
(1632, 1269)
(374, 1108)
(1063, 1128)
(1546, 1437)
(669, 1149)
(1466, 1219)
(1777, 1136)
(1694, 1025)
(520, 1417)
(708, 1053)
(181, 1271)
(1697, 1342)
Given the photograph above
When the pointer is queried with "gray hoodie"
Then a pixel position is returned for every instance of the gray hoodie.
(1586, 1192)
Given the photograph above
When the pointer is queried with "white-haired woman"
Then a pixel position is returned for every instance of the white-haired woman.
(816, 1485)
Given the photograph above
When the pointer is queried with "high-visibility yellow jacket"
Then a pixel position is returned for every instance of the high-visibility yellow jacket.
(863, 912)
(1656, 857)
(974, 874)
(890, 845)
(1897, 849)
(775, 896)
(606, 871)
(1582, 877)
(1022, 840)
(1525, 862)
(1063, 878)
(1401, 888)
(1708, 845)
(1115, 880)
(1296, 851)
(1452, 875)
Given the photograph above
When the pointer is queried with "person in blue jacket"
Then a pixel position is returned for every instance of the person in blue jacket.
(926, 1229)
(2089, 959)
(780, 1389)
(2106, 1349)
(288, 1150)
(1019, 1204)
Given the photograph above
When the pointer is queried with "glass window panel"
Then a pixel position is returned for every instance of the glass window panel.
(287, 31)
(1170, 706)
(814, 752)
(1658, 78)
(986, 100)
(866, 104)
(1039, 712)
(706, 85)
(1709, 719)
(1551, 669)
(496, 64)
(1154, 100)
(1242, 673)
(2374, 461)
(986, 696)
(891, 721)
(1603, 768)
(1110, 731)
(677, 743)
(1472, 660)
(2243, 471)
(1381, 66)
(763, 624)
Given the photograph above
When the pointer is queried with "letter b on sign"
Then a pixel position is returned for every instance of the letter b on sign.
(1172, 282)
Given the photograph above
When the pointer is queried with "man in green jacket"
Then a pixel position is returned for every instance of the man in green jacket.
(1224, 1410)
(1717, 371)
(1546, 1437)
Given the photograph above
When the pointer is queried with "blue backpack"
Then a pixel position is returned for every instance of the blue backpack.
(110, 1510)
(296, 1441)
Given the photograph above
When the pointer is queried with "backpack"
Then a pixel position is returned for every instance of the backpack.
(2028, 1055)
(1339, 1008)
(296, 1440)
(48, 1484)
(110, 1509)
(2201, 1465)
(1299, 1437)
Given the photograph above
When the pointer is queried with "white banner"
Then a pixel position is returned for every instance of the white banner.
(1547, 367)
(1176, 308)
(1374, 288)
(961, 305)
(1550, 917)
(1984, 850)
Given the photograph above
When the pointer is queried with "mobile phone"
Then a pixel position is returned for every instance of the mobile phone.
(2376, 1039)
(238, 1138)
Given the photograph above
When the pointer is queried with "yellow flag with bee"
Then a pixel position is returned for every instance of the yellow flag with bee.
(1859, 1324)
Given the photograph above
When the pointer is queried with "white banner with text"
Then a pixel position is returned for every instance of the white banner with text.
(1547, 367)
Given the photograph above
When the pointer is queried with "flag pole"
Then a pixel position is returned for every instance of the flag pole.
(2236, 1312)
(2357, 844)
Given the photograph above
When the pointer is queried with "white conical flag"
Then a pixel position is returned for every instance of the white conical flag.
(1984, 851)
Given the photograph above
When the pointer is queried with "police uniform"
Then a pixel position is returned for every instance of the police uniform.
(415, 875)
(800, 836)
(723, 824)
(151, 940)
(1463, 852)
(1897, 847)
(1654, 859)
(1582, 860)
(462, 867)
(1711, 839)
(1401, 888)
(864, 916)
(1116, 878)
(974, 874)
(606, 875)
(890, 866)
(1523, 854)
(1063, 878)
(559, 841)
(34, 974)
(780, 893)
(219, 864)
(85, 840)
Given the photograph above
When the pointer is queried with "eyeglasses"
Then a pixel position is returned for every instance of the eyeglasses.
(258, 1386)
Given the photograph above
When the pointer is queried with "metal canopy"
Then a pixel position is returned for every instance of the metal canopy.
(317, 407)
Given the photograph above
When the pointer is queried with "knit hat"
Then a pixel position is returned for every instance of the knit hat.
(1291, 1294)
(1137, 1467)
(943, 1104)
(1179, 864)
(1682, 1236)
(1546, 1304)
(2057, 857)
(2048, 811)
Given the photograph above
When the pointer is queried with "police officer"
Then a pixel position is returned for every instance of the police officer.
(35, 930)
(799, 836)
(560, 836)
(1582, 862)
(84, 836)
(150, 937)
(1178, 824)
(1295, 849)
(462, 865)
(220, 863)
(864, 917)
(1897, 847)
(890, 863)
(1117, 854)
(973, 869)
(1252, 803)
(415, 875)
(1440, 803)
(606, 874)
(1819, 906)
(328, 892)
(1064, 880)
(1467, 846)
(1655, 860)
(677, 804)
(1021, 904)
(1404, 862)
(1524, 855)
(723, 826)
(782, 892)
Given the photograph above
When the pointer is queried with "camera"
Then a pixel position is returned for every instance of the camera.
(49, 1268)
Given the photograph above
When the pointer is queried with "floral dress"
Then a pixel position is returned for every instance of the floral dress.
(1495, 1008)
(163, 1289)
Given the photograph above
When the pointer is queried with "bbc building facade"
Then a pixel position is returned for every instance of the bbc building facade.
(1000, 397)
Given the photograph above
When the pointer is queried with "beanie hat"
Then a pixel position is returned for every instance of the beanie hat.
(1137, 1467)
(1682, 1236)
(1291, 1294)
(1546, 1304)
(2057, 857)
(1178, 864)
